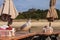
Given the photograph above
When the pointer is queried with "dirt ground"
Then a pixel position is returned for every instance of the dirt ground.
(36, 25)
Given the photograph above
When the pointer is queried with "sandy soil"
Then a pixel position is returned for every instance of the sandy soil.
(37, 23)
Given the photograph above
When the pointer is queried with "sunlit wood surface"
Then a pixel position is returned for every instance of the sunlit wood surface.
(23, 35)
(17, 36)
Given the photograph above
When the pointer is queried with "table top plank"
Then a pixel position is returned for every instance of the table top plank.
(22, 35)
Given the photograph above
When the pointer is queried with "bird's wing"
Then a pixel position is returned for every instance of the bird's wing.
(23, 26)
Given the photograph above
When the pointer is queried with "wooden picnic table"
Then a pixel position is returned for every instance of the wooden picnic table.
(17, 36)
(26, 35)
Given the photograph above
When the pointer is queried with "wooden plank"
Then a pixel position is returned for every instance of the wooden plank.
(21, 36)
(17, 36)
(24, 35)
(41, 33)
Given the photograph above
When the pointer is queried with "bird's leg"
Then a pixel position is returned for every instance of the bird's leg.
(49, 23)
(30, 30)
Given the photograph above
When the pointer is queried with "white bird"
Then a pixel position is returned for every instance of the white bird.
(26, 26)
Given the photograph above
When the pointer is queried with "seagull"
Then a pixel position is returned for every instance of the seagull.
(26, 26)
